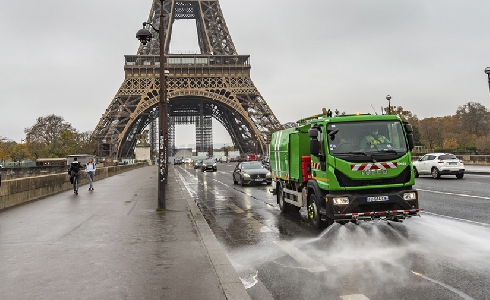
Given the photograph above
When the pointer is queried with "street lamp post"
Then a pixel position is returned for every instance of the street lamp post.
(487, 71)
(144, 36)
(388, 97)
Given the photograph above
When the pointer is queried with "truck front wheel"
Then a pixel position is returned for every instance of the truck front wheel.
(314, 212)
(283, 206)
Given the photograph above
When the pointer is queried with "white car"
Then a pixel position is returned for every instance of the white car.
(437, 164)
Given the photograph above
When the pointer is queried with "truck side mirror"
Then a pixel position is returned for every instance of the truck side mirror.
(314, 149)
(409, 131)
(313, 133)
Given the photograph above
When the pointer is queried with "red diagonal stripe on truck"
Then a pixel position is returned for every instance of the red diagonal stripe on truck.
(374, 166)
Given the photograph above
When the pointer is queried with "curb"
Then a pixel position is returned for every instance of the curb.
(231, 284)
(477, 172)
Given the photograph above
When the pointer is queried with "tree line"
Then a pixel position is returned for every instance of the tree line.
(50, 137)
(468, 130)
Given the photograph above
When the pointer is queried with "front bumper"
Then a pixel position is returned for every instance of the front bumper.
(258, 180)
(389, 205)
(209, 168)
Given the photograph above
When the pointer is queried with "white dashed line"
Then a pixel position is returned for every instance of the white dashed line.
(454, 194)
(460, 293)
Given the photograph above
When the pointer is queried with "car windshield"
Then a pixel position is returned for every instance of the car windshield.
(366, 138)
(252, 166)
(209, 161)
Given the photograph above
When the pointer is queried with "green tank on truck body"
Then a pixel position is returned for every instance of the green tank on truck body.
(345, 168)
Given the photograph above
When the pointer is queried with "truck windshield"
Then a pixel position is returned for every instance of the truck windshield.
(366, 138)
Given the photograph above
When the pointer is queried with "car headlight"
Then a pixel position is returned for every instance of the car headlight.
(214, 165)
(410, 196)
(340, 200)
(268, 174)
(246, 175)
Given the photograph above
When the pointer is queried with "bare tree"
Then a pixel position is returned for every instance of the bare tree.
(431, 132)
(483, 145)
(473, 119)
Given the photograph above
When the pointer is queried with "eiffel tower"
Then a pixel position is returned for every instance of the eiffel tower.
(213, 84)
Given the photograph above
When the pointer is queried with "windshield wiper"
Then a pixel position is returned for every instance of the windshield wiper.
(389, 151)
(351, 152)
(358, 152)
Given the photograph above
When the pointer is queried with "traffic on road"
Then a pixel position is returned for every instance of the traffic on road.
(439, 255)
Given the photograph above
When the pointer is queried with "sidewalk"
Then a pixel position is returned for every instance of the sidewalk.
(112, 244)
(477, 169)
(178, 200)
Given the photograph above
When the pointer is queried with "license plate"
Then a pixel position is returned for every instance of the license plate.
(259, 179)
(453, 164)
(377, 198)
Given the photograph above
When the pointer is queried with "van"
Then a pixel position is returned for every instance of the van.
(251, 157)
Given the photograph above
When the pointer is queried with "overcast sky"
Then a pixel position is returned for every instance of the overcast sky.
(67, 57)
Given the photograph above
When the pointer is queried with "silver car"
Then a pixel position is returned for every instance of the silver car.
(250, 172)
(437, 164)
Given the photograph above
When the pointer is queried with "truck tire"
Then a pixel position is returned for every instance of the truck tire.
(283, 206)
(314, 212)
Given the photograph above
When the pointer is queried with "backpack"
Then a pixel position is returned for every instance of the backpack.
(75, 167)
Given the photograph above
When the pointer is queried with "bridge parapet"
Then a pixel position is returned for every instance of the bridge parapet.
(22, 190)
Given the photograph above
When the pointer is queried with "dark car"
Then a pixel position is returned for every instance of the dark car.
(250, 172)
(209, 165)
(197, 163)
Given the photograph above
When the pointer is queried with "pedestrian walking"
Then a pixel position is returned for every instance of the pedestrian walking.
(74, 172)
(90, 170)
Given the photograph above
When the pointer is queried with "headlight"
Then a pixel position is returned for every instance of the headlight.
(246, 175)
(268, 174)
(410, 196)
(214, 165)
(340, 200)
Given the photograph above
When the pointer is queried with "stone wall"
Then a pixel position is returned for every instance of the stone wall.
(22, 190)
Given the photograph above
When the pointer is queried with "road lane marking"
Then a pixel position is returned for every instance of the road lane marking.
(301, 258)
(452, 289)
(354, 297)
(454, 194)
(457, 219)
(257, 225)
(236, 209)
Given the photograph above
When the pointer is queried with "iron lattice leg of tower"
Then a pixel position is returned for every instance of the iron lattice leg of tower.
(214, 84)
(204, 134)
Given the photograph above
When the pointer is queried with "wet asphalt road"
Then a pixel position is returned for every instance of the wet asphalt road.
(442, 255)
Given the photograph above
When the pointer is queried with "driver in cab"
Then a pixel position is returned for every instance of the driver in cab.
(374, 138)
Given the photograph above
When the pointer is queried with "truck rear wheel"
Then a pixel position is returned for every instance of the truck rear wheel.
(283, 206)
(314, 212)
